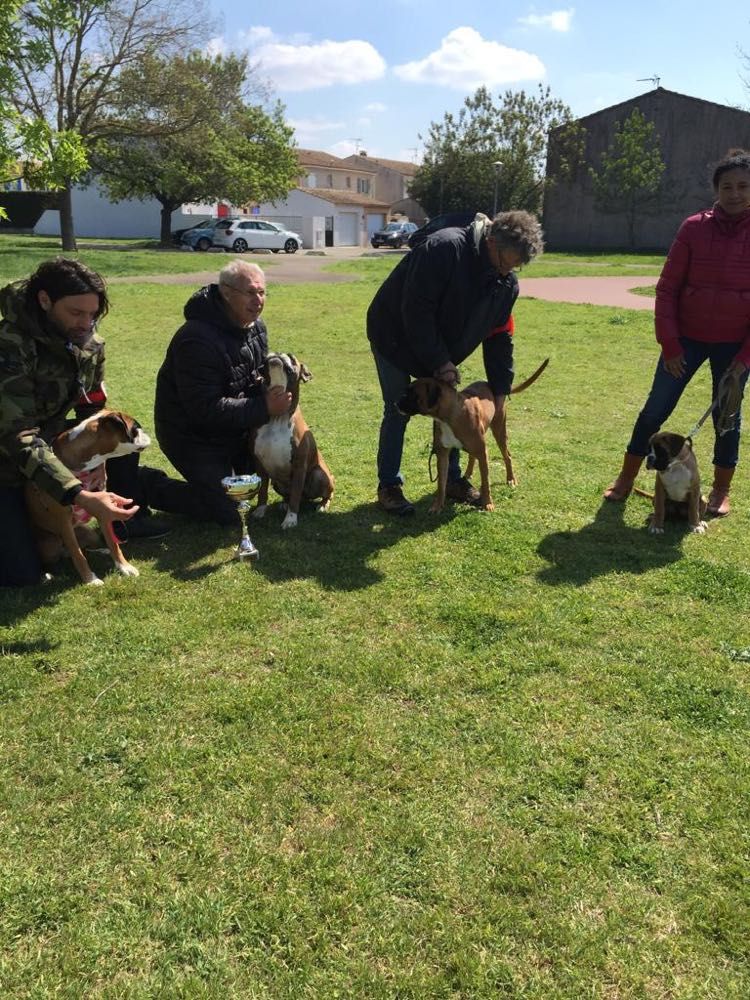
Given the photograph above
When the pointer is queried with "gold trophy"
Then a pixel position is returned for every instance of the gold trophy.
(241, 489)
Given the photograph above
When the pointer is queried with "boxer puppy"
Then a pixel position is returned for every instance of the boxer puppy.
(285, 451)
(84, 449)
(461, 420)
(678, 485)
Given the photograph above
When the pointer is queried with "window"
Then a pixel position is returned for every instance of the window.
(348, 182)
(329, 181)
(363, 185)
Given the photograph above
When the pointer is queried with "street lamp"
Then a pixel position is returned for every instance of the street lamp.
(498, 165)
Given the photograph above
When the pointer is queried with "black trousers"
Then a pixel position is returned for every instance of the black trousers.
(203, 464)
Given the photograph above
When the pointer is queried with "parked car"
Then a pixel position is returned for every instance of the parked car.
(202, 237)
(443, 221)
(177, 234)
(256, 234)
(395, 234)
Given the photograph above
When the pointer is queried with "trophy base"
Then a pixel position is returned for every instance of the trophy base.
(246, 551)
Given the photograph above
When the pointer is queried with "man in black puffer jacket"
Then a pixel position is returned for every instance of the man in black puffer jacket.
(209, 395)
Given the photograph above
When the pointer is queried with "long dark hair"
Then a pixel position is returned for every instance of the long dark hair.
(735, 159)
(63, 276)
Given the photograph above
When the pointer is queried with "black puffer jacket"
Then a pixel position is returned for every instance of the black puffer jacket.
(208, 386)
(440, 303)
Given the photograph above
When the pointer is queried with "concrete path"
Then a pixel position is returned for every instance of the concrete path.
(309, 267)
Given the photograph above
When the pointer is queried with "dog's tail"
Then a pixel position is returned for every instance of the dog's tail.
(532, 378)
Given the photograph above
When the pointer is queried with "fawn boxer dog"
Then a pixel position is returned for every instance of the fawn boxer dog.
(285, 451)
(84, 449)
(678, 486)
(461, 420)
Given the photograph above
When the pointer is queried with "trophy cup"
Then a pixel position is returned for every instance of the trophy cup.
(241, 489)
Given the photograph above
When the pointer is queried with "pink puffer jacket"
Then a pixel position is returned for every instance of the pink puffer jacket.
(704, 289)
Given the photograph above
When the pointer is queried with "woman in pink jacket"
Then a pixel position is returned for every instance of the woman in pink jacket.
(702, 313)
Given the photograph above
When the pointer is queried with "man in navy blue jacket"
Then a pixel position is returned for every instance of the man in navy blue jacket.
(447, 296)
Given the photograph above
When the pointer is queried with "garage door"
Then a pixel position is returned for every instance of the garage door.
(347, 230)
(374, 222)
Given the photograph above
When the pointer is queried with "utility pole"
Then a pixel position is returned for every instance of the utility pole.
(498, 165)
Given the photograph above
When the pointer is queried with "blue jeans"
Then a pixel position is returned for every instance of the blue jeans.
(666, 391)
(393, 384)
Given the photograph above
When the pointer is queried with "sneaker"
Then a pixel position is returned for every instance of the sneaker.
(461, 491)
(141, 526)
(392, 499)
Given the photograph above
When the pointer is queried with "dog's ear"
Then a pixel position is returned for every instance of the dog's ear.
(117, 420)
(305, 375)
(433, 395)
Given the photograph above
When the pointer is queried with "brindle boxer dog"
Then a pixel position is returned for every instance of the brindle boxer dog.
(285, 450)
(461, 420)
(84, 449)
(678, 485)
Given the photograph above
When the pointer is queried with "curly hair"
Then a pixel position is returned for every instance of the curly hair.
(520, 231)
(735, 159)
(63, 276)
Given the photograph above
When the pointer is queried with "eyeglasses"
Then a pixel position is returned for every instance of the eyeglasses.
(259, 292)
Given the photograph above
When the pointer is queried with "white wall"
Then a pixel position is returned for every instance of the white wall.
(95, 216)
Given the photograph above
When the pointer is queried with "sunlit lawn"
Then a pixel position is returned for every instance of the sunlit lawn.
(470, 755)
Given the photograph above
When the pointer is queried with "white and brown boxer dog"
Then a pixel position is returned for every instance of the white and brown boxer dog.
(678, 485)
(285, 451)
(461, 420)
(84, 449)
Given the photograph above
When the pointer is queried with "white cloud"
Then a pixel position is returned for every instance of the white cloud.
(298, 63)
(375, 108)
(465, 61)
(216, 47)
(347, 147)
(557, 20)
(308, 131)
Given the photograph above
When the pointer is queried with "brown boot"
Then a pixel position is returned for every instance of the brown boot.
(622, 486)
(718, 499)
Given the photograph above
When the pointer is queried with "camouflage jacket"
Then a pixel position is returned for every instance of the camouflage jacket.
(41, 379)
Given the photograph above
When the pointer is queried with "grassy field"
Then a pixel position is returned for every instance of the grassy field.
(470, 755)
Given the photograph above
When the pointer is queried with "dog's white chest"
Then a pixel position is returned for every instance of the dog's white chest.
(676, 480)
(446, 436)
(273, 446)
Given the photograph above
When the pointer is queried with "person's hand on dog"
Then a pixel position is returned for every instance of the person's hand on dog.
(278, 401)
(449, 374)
(675, 366)
(106, 507)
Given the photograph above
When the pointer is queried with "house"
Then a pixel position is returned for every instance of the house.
(353, 196)
(693, 134)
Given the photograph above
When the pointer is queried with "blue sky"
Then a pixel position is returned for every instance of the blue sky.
(372, 76)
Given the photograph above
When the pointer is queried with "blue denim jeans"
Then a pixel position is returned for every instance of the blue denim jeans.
(666, 391)
(393, 384)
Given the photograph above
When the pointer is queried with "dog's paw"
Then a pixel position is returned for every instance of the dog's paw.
(488, 507)
(324, 507)
(512, 481)
(126, 569)
(260, 511)
(94, 582)
(654, 529)
(290, 521)
(699, 529)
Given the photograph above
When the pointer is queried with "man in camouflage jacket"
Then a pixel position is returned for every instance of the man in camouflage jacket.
(51, 362)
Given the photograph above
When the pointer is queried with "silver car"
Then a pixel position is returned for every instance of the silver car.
(255, 234)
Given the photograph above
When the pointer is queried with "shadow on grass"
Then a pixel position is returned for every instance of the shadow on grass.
(335, 548)
(607, 545)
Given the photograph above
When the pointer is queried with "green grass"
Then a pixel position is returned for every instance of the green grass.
(470, 755)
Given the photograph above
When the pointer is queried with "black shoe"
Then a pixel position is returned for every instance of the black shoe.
(141, 526)
(392, 499)
(462, 491)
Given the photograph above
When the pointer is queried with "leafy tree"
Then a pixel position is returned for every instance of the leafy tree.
(629, 179)
(459, 168)
(234, 150)
(62, 75)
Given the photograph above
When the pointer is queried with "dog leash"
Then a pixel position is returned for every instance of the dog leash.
(727, 403)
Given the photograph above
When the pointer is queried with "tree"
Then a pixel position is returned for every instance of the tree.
(629, 179)
(63, 74)
(459, 168)
(234, 150)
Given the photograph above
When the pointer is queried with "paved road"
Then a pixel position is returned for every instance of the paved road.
(308, 266)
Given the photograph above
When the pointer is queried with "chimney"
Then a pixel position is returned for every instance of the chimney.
(363, 152)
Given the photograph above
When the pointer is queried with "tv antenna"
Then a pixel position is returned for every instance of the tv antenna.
(414, 150)
(357, 140)
(649, 79)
